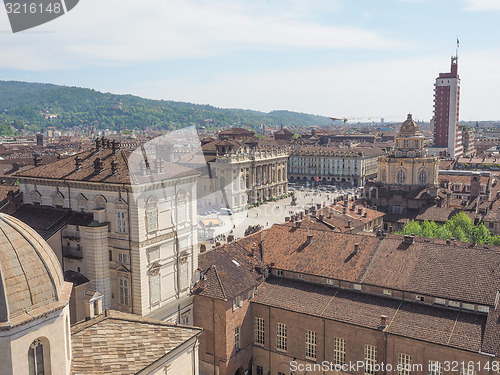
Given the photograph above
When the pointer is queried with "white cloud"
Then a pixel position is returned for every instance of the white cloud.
(119, 31)
(364, 90)
(482, 5)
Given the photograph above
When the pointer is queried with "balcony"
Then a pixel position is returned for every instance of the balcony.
(72, 252)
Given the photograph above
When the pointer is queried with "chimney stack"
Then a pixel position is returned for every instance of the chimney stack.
(321, 217)
(115, 146)
(97, 165)
(344, 210)
(98, 144)
(349, 223)
(309, 239)
(297, 224)
(114, 167)
(78, 162)
(383, 321)
(37, 160)
(356, 248)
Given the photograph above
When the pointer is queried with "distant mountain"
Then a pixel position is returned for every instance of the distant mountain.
(34, 106)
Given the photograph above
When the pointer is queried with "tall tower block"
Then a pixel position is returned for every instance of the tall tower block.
(446, 106)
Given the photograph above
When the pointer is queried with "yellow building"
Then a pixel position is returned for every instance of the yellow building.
(409, 163)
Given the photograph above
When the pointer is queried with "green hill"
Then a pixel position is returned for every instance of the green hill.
(32, 106)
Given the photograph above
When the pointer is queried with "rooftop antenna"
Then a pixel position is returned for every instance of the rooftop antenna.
(456, 50)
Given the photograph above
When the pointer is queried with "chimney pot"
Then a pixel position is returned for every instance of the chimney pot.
(114, 167)
(37, 160)
(309, 238)
(356, 248)
(344, 210)
(383, 321)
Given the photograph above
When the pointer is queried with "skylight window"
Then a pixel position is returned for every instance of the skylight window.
(236, 263)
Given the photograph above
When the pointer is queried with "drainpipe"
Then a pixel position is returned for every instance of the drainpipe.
(130, 249)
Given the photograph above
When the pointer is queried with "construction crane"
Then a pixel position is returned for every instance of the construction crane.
(340, 119)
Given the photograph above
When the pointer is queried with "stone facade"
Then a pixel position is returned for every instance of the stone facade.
(333, 165)
(140, 250)
(249, 175)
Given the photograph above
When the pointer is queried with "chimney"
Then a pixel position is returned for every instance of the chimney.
(297, 224)
(356, 248)
(353, 207)
(349, 223)
(114, 167)
(108, 143)
(390, 229)
(287, 219)
(346, 203)
(344, 210)
(97, 165)
(365, 214)
(309, 239)
(292, 218)
(321, 217)
(383, 321)
(409, 240)
(318, 206)
(115, 146)
(202, 283)
(360, 211)
(78, 162)
(37, 160)
(98, 144)
(203, 248)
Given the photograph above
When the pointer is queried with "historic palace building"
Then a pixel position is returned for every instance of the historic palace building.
(336, 165)
(123, 225)
(347, 298)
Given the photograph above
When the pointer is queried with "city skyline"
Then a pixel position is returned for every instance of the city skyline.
(331, 58)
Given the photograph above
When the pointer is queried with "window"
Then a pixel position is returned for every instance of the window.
(122, 258)
(311, 345)
(279, 273)
(237, 302)
(122, 225)
(419, 298)
(454, 304)
(387, 292)
(422, 177)
(485, 309)
(300, 276)
(110, 255)
(339, 351)
(185, 319)
(154, 287)
(357, 286)
(237, 338)
(401, 176)
(329, 281)
(404, 364)
(153, 255)
(281, 337)
(405, 143)
(124, 292)
(439, 301)
(467, 306)
(259, 331)
(35, 359)
(384, 175)
(152, 219)
(435, 368)
(370, 359)
(251, 293)
(259, 370)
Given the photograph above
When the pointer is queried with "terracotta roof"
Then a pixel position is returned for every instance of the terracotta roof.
(423, 322)
(430, 266)
(329, 254)
(130, 168)
(229, 270)
(120, 343)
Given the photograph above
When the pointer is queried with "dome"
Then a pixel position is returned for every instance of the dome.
(30, 273)
(409, 128)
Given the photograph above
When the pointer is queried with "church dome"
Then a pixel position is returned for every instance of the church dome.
(409, 128)
(30, 273)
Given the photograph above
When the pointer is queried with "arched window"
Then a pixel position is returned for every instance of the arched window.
(422, 177)
(383, 176)
(152, 214)
(401, 176)
(57, 199)
(36, 197)
(99, 202)
(35, 358)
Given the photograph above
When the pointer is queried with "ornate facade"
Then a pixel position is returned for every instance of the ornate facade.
(139, 247)
(343, 166)
(249, 175)
(409, 163)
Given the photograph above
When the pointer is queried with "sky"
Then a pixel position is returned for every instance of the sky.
(360, 59)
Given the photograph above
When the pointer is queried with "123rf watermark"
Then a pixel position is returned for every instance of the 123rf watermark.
(460, 367)
(26, 14)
